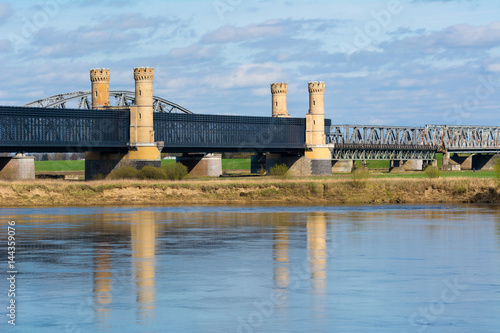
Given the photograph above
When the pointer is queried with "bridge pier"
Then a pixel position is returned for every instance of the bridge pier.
(484, 162)
(455, 162)
(342, 166)
(202, 165)
(101, 164)
(407, 165)
(19, 167)
(258, 163)
(298, 165)
(143, 150)
(317, 152)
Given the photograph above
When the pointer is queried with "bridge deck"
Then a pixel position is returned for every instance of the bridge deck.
(214, 133)
(27, 129)
(24, 129)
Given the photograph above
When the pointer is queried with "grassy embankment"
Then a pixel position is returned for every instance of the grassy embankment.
(249, 191)
(378, 169)
(57, 166)
(380, 187)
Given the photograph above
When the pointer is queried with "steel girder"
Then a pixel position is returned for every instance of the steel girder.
(376, 135)
(463, 138)
(374, 152)
(122, 98)
(358, 142)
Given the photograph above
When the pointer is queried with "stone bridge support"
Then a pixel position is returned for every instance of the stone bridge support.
(143, 149)
(484, 161)
(298, 165)
(455, 162)
(317, 151)
(19, 167)
(316, 159)
(342, 166)
(407, 165)
(258, 163)
(202, 165)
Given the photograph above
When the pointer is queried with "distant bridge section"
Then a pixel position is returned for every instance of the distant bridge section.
(359, 142)
(463, 139)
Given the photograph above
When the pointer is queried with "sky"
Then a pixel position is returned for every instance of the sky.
(406, 62)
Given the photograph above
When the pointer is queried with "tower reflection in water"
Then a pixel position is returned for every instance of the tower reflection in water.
(143, 233)
(289, 275)
(143, 243)
(143, 253)
(281, 262)
(316, 244)
(102, 281)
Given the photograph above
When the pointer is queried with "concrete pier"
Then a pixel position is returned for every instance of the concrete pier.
(202, 165)
(19, 167)
(455, 162)
(298, 165)
(342, 166)
(258, 163)
(100, 165)
(407, 165)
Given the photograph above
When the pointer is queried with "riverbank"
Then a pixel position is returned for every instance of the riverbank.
(248, 191)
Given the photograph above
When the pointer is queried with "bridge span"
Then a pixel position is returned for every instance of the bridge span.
(139, 126)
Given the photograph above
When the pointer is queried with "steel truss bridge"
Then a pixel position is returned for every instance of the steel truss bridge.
(26, 129)
(356, 142)
(42, 126)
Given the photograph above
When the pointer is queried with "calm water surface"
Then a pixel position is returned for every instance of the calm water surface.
(256, 269)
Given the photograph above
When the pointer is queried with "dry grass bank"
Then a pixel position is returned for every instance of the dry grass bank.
(248, 191)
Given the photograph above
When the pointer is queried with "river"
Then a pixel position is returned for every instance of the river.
(255, 269)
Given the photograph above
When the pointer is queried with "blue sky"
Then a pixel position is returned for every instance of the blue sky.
(391, 62)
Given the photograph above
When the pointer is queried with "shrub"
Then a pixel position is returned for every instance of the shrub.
(98, 176)
(175, 171)
(279, 170)
(432, 172)
(359, 177)
(150, 172)
(496, 167)
(124, 173)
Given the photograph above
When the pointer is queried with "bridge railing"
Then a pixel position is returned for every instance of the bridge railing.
(46, 130)
(209, 133)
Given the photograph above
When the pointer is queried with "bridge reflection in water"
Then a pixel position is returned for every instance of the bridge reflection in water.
(143, 234)
(143, 243)
(203, 267)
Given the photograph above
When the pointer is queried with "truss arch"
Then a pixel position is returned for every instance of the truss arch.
(83, 100)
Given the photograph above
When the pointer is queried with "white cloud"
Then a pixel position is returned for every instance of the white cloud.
(247, 75)
(406, 82)
(5, 10)
(231, 34)
(193, 51)
(457, 36)
(493, 68)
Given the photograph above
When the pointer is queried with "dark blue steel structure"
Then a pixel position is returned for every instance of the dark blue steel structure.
(214, 133)
(24, 129)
